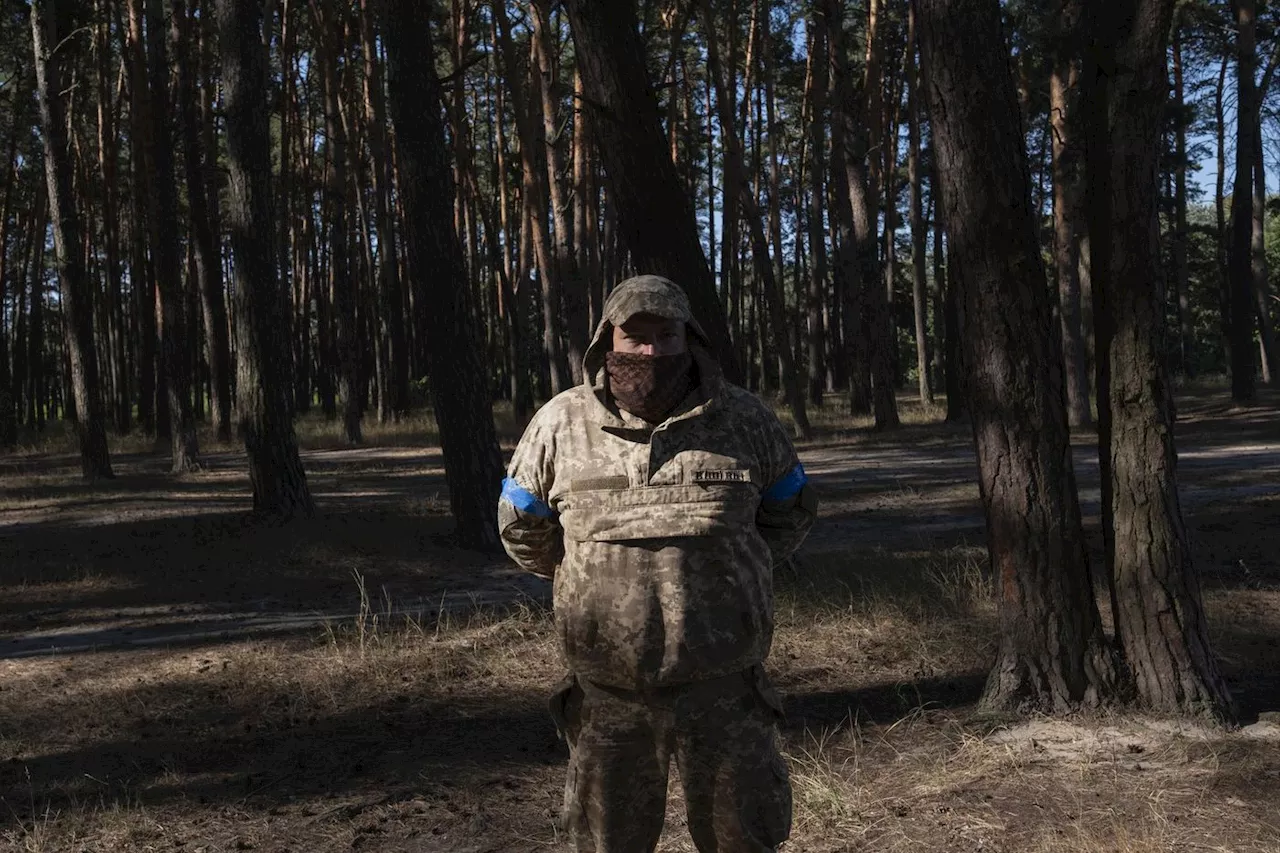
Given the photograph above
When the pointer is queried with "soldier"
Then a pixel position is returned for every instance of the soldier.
(657, 497)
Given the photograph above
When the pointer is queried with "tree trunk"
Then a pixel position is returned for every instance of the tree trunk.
(48, 28)
(1220, 210)
(1240, 258)
(791, 383)
(655, 213)
(573, 293)
(473, 463)
(817, 100)
(108, 151)
(1180, 278)
(919, 275)
(884, 401)
(1068, 215)
(1052, 654)
(262, 407)
(1270, 355)
(331, 31)
(1159, 616)
(208, 257)
(534, 198)
(163, 230)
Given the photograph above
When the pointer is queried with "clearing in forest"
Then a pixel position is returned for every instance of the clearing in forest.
(177, 677)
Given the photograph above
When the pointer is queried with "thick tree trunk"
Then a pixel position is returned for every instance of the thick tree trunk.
(48, 28)
(163, 221)
(1068, 213)
(473, 463)
(1159, 616)
(655, 213)
(1240, 257)
(208, 257)
(262, 407)
(1052, 654)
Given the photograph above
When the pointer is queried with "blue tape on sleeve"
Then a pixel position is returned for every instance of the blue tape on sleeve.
(524, 500)
(789, 486)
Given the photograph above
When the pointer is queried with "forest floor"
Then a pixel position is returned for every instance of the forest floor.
(175, 676)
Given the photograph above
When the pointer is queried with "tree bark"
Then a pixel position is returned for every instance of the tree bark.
(855, 269)
(1068, 213)
(163, 231)
(919, 275)
(473, 463)
(208, 257)
(655, 214)
(1220, 210)
(1240, 257)
(791, 383)
(569, 276)
(1180, 277)
(262, 407)
(1159, 616)
(535, 202)
(330, 30)
(48, 28)
(819, 73)
(1270, 355)
(1052, 654)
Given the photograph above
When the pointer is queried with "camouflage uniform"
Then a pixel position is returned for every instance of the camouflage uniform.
(660, 540)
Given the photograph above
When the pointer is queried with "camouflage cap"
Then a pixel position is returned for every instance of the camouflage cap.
(650, 294)
(647, 294)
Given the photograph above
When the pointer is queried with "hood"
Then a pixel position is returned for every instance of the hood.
(642, 294)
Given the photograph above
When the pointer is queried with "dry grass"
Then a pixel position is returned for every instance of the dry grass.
(397, 723)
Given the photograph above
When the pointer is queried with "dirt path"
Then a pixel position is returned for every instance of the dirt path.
(154, 560)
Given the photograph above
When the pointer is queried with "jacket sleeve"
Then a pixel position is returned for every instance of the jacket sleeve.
(529, 527)
(788, 505)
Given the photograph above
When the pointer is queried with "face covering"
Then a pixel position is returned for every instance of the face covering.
(649, 386)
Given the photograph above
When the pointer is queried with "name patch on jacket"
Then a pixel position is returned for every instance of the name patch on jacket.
(738, 476)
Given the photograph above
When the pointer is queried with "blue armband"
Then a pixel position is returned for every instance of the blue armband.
(524, 500)
(788, 487)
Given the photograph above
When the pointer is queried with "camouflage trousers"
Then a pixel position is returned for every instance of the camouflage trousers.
(722, 734)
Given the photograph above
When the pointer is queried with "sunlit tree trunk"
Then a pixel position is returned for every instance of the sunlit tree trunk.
(1159, 618)
(1052, 654)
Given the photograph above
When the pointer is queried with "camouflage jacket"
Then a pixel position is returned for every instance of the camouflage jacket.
(660, 539)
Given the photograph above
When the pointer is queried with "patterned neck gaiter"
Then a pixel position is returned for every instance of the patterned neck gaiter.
(649, 386)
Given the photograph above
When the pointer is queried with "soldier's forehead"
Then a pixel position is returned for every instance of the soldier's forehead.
(644, 318)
